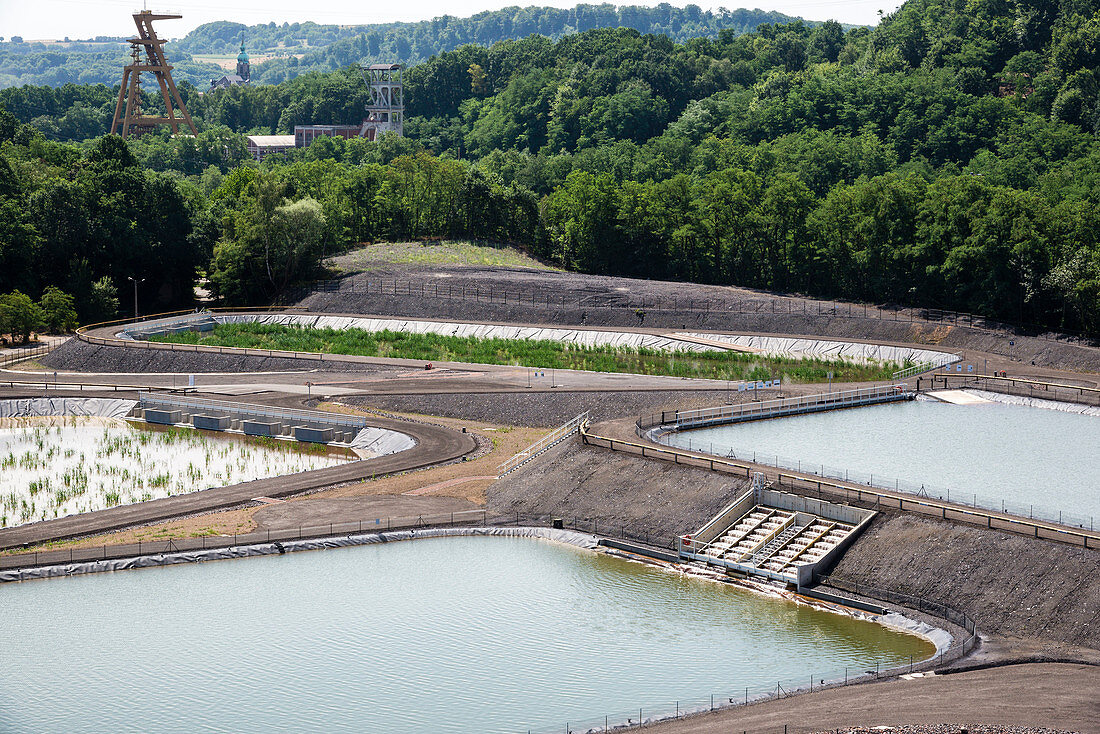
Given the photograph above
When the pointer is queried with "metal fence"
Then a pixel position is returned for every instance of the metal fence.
(758, 691)
(866, 495)
(9, 357)
(1018, 386)
(255, 409)
(765, 304)
(543, 445)
(881, 481)
(87, 554)
(868, 395)
(734, 696)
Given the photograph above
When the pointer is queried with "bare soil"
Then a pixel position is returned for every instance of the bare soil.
(1059, 696)
(527, 295)
(1010, 585)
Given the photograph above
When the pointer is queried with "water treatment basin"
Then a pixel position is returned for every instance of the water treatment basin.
(461, 634)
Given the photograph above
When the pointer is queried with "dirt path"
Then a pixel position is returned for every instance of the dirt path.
(1052, 695)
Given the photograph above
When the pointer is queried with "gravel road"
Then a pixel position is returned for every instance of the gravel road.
(1035, 697)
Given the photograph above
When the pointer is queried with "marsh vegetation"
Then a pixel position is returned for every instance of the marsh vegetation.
(542, 354)
(55, 467)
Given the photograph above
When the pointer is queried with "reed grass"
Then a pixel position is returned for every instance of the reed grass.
(541, 354)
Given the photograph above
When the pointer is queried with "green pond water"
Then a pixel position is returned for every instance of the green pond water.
(475, 634)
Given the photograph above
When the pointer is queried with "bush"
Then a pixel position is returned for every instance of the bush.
(19, 315)
(58, 310)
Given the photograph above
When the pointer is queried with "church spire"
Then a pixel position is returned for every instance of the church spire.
(242, 65)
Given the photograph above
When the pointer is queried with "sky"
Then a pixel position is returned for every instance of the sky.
(55, 19)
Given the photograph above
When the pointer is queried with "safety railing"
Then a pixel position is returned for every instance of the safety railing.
(683, 419)
(9, 357)
(582, 300)
(953, 509)
(543, 445)
(1018, 386)
(253, 409)
(927, 366)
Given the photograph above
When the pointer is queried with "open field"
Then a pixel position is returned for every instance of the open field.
(444, 252)
(541, 354)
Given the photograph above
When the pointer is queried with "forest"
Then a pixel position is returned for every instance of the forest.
(946, 158)
(284, 51)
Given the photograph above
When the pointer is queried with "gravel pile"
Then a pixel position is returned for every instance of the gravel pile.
(79, 356)
(541, 409)
(1011, 585)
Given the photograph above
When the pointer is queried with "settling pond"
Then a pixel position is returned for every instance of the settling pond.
(51, 467)
(460, 634)
(1034, 459)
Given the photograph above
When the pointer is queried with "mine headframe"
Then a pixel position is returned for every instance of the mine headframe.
(386, 104)
(147, 55)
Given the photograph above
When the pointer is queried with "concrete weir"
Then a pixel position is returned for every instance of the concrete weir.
(777, 536)
(306, 426)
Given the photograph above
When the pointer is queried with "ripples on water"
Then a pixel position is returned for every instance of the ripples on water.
(439, 635)
(1024, 455)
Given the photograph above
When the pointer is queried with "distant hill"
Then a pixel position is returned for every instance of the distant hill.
(282, 52)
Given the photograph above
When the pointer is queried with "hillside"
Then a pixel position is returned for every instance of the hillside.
(289, 50)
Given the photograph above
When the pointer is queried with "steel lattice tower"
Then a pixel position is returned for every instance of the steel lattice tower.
(128, 109)
(386, 107)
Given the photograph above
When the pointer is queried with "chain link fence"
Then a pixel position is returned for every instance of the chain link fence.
(766, 303)
(733, 696)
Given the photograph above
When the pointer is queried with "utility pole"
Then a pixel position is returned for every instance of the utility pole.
(135, 281)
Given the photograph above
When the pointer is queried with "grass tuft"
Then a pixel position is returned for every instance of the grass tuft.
(542, 354)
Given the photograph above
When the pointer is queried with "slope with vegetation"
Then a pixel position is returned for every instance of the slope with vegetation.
(284, 51)
(947, 158)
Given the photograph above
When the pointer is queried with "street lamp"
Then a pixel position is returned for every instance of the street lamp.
(135, 281)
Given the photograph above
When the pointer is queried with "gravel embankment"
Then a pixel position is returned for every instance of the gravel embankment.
(78, 356)
(656, 498)
(544, 297)
(1010, 585)
(945, 729)
(541, 409)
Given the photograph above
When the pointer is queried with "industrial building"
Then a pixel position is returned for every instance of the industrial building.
(261, 146)
(385, 113)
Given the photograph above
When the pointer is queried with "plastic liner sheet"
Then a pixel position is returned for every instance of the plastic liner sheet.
(941, 638)
(580, 337)
(382, 442)
(855, 351)
(580, 540)
(998, 397)
(43, 407)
